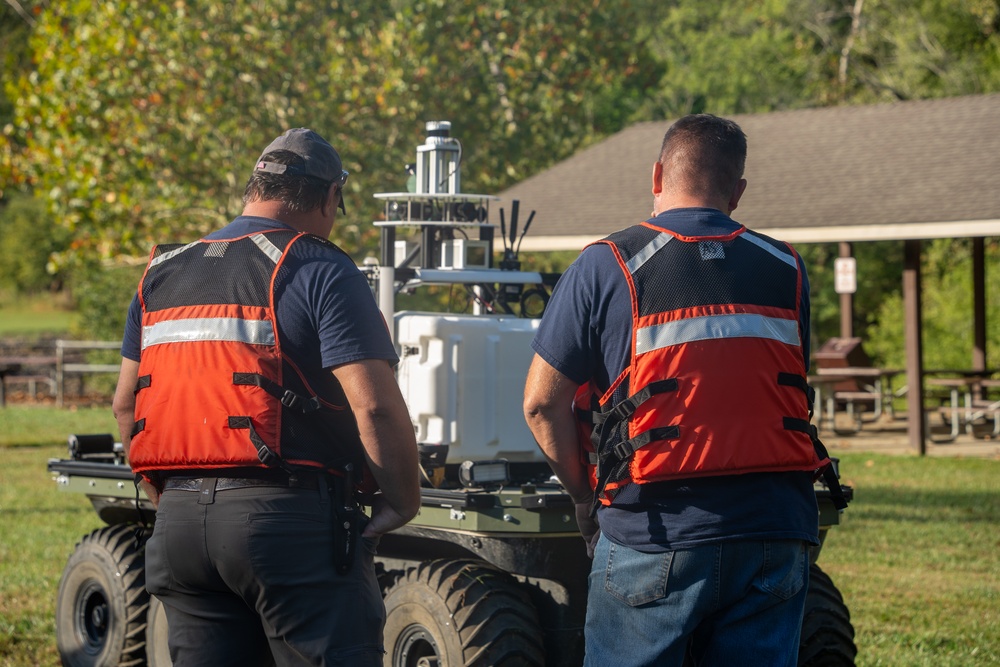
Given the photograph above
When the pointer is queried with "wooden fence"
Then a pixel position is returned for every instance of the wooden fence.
(53, 370)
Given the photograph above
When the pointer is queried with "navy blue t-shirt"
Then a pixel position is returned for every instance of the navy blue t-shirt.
(325, 310)
(586, 333)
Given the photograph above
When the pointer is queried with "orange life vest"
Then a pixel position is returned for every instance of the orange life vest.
(214, 389)
(716, 383)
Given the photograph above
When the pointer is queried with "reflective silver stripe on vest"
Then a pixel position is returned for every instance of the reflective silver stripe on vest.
(269, 248)
(647, 253)
(785, 257)
(742, 325)
(253, 332)
(173, 253)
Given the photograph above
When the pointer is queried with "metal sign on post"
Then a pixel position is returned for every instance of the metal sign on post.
(845, 275)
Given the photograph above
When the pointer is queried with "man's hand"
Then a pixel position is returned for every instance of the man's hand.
(384, 518)
(151, 492)
(589, 527)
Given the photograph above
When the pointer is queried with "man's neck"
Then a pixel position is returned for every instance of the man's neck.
(685, 201)
(308, 222)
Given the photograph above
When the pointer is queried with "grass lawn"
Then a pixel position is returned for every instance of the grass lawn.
(32, 425)
(918, 560)
(917, 557)
(22, 316)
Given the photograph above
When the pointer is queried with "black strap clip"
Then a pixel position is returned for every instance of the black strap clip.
(287, 397)
(264, 453)
(292, 400)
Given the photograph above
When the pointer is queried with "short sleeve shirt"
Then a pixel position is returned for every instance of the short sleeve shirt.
(586, 333)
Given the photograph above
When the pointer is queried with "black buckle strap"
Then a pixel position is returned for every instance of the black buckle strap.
(623, 450)
(613, 456)
(799, 382)
(795, 424)
(828, 471)
(793, 380)
(138, 427)
(264, 453)
(287, 397)
(627, 407)
(143, 382)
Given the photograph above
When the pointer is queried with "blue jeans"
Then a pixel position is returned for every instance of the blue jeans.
(733, 603)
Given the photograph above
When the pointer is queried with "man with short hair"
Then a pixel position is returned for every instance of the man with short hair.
(669, 381)
(257, 403)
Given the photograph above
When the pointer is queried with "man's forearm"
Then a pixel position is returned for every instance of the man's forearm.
(556, 437)
(123, 404)
(392, 457)
(548, 410)
(390, 445)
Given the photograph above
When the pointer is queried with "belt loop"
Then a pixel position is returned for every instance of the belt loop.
(206, 496)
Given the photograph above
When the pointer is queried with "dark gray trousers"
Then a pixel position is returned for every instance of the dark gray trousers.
(248, 579)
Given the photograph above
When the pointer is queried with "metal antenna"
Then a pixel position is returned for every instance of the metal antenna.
(525, 231)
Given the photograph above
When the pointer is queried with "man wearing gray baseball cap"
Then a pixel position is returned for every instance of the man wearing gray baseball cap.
(319, 159)
(258, 408)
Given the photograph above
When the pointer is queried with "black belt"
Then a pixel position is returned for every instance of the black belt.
(305, 481)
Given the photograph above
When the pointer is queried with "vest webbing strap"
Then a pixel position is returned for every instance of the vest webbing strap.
(265, 454)
(143, 382)
(828, 471)
(627, 407)
(611, 457)
(623, 450)
(793, 380)
(799, 382)
(138, 427)
(287, 397)
(795, 424)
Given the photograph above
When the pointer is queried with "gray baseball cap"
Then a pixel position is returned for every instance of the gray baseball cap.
(321, 159)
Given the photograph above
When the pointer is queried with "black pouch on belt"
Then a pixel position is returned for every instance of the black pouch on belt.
(346, 515)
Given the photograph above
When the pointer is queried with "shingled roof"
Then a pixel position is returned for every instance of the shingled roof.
(910, 170)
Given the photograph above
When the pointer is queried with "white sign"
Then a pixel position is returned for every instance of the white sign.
(845, 275)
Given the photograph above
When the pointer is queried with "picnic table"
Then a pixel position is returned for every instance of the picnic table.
(968, 400)
(865, 385)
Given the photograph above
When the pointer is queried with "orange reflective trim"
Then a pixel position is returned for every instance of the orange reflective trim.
(694, 239)
(222, 311)
(715, 309)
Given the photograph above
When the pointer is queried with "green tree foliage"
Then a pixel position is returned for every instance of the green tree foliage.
(30, 237)
(140, 121)
(735, 57)
(527, 84)
(947, 309)
(748, 57)
(879, 277)
(924, 48)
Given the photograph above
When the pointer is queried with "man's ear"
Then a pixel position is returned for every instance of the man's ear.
(330, 200)
(657, 177)
(734, 199)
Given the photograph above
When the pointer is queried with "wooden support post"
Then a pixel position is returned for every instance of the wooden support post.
(916, 426)
(978, 304)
